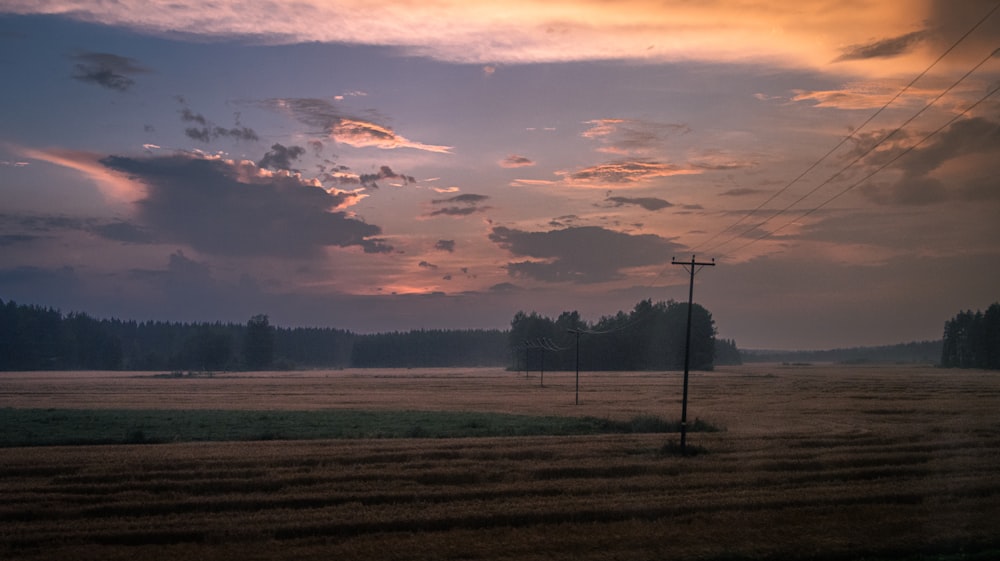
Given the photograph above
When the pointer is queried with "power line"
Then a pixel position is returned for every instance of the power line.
(849, 136)
(862, 155)
(869, 176)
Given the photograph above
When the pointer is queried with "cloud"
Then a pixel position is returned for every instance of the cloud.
(123, 231)
(280, 157)
(236, 208)
(808, 33)
(345, 128)
(107, 70)
(627, 171)
(632, 136)
(890, 47)
(208, 131)
(967, 149)
(515, 161)
(426, 265)
(532, 182)
(863, 95)
(445, 245)
(384, 172)
(504, 287)
(461, 205)
(585, 254)
(741, 192)
(648, 203)
(361, 134)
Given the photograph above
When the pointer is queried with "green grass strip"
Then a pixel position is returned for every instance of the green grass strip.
(49, 427)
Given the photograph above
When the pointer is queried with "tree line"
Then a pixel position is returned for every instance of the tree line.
(972, 339)
(649, 337)
(652, 336)
(38, 338)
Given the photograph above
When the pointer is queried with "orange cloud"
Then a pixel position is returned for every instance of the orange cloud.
(363, 134)
(625, 172)
(860, 36)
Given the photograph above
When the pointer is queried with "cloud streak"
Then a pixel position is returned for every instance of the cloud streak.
(460, 205)
(345, 128)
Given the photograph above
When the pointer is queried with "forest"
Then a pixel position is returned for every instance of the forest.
(650, 337)
(37, 338)
(972, 339)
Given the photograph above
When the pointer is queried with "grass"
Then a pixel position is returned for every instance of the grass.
(49, 427)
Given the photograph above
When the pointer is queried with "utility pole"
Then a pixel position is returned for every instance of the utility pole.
(692, 267)
(577, 333)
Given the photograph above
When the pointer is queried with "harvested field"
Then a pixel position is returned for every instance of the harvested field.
(816, 462)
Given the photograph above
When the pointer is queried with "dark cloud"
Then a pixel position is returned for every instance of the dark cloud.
(564, 220)
(13, 239)
(107, 70)
(504, 287)
(208, 131)
(458, 211)
(445, 245)
(917, 185)
(741, 192)
(33, 227)
(884, 48)
(515, 161)
(462, 205)
(468, 198)
(123, 232)
(189, 116)
(199, 134)
(235, 208)
(648, 203)
(281, 157)
(582, 254)
(426, 265)
(384, 172)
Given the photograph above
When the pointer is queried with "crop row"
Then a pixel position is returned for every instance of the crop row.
(302, 499)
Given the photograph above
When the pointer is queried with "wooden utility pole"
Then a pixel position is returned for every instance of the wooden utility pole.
(692, 267)
(577, 333)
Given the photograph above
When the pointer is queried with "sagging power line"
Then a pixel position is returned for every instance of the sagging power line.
(853, 133)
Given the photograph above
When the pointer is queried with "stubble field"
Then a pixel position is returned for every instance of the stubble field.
(815, 462)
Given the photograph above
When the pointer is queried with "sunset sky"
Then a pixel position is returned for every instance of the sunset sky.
(379, 165)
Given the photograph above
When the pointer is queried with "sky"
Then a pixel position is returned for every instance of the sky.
(385, 165)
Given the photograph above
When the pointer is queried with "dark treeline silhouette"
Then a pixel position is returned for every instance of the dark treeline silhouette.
(650, 337)
(972, 340)
(922, 352)
(37, 338)
(472, 347)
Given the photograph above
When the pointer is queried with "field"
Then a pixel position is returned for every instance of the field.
(814, 462)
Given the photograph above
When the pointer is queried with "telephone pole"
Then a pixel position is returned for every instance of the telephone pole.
(691, 267)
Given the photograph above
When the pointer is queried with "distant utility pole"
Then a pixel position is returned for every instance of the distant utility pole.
(691, 267)
(577, 333)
